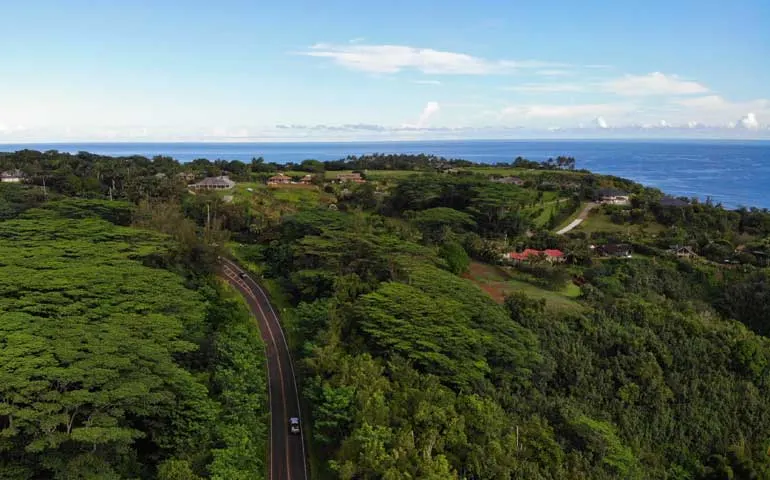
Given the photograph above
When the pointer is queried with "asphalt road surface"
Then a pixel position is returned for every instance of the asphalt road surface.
(286, 451)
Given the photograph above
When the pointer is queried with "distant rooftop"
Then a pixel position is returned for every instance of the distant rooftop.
(214, 182)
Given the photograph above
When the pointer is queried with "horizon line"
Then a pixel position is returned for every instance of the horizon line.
(225, 141)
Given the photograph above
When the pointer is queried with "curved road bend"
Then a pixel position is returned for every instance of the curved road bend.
(286, 452)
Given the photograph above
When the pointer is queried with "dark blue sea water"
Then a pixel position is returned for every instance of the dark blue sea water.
(731, 172)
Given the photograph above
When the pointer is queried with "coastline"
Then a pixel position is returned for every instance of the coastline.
(733, 172)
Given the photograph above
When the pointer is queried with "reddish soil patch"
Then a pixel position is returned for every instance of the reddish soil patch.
(489, 278)
(494, 290)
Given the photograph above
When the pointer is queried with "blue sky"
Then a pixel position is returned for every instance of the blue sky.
(258, 70)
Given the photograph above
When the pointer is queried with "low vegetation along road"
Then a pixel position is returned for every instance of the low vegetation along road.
(286, 456)
(574, 223)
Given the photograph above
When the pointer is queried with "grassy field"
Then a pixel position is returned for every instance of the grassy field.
(377, 174)
(550, 197)
(372, 174)
(542, 218)
(600, 222)
(297, 194)
(499, 283)
(549, 205)
(241, 188)
(521, 172)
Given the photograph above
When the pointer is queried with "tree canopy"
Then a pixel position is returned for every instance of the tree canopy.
(102, 356)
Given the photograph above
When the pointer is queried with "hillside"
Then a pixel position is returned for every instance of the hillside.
(441, 328)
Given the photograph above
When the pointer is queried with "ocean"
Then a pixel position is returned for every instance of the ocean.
(734, 173)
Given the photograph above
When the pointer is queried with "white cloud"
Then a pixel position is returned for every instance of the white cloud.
(395, 58)
(655, 83)
(600, 122)
(462, 105)
(707, 102)
(10, 129)
(554, 72)
(716, 110)
(427, 82)
(749, 122)
(546, 88)
(567, 111)
(430, 109)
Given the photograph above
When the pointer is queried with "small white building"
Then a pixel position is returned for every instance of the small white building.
(12, 176)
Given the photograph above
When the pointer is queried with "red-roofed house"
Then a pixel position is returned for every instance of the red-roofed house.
(550, 255)
(522, 256)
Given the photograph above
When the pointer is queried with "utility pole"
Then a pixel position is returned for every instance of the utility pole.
(45, 192)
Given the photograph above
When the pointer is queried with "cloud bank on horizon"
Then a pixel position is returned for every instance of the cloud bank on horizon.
(463, 73)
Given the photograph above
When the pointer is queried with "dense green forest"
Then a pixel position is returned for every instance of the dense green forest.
(115, 364)
(415, 362)
(412, 372)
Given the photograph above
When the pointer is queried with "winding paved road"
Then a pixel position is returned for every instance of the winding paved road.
(286, 454)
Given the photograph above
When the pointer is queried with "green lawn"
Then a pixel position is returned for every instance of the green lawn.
(499, 282)
(600, 222)
(376, 174)
(571, 290)
(542, 218)
(241, 188)
(548, 203)
(294, 194)
(298, 194)
(520, 172)
(371, 174)
(550, 197)
(563, 300)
